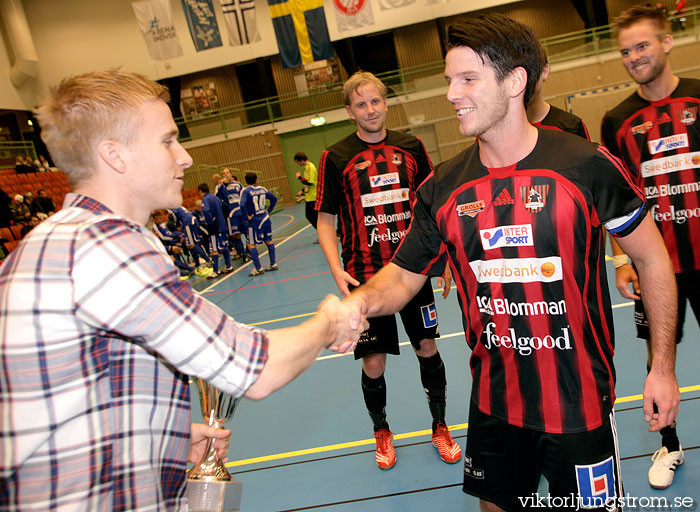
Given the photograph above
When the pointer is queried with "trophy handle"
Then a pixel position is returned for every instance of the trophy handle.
(210, 466)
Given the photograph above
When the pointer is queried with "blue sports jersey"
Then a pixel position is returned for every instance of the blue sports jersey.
(190, 225)
(213, 213)
(230, 194)
(253, 202)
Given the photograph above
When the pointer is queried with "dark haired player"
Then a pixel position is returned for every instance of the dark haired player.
(657, 134)
(369, 179)
(543, 115)
(254, 208)
(519, 216)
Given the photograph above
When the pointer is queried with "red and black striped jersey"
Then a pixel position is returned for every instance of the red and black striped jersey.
(659, 141)
(372, 188)
(558, 119)
(526, 247)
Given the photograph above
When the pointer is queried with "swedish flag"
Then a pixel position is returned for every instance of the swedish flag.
(301, 30)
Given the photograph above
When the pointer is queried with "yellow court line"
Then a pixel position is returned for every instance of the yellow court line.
(406, 435)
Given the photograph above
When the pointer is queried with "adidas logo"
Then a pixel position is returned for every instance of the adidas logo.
(380, 158)
(503, 198)
(664, 118)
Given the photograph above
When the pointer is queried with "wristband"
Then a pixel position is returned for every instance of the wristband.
(620, 260)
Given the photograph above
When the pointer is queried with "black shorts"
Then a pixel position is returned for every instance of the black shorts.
(419, 318)
(503, 464)
(688, 290)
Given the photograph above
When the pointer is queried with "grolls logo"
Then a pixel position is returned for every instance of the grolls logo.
(470, 209)
(506, 236)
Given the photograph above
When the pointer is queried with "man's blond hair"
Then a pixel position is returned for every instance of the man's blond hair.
(638, 13)
(83, 110)
(358, 80)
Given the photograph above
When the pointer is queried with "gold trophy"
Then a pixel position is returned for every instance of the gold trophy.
(210, 487)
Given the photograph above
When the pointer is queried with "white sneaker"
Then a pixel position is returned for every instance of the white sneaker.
(663, 470)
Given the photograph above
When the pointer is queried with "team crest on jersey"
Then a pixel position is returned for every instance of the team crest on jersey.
(396, 159)
(596, 484)
(688, 115)
(534, 197)
(470, 209)
(362, 165)
(503, 198)
(430, 318)
(641, 128)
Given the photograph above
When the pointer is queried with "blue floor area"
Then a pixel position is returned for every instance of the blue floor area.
(322, 411)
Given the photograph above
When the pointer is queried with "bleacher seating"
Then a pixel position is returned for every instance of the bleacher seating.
(13, 235)
(55, 184)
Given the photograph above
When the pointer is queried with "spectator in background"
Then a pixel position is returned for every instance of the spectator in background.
(44, 203)
(20, 211)
(31, 204)
(42, 164)
(23, 166)
(33, 222)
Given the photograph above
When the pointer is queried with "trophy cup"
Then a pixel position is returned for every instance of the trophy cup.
(210, 487)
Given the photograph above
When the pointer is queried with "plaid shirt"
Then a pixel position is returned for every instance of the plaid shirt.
(97, 334)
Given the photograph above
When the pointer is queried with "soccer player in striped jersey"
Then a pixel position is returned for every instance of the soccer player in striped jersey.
(656, 133)
(519, 216)
(369, 180)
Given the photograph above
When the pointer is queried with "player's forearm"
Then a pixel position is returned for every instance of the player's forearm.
(293, 349)
(658, 284)
(388, 291)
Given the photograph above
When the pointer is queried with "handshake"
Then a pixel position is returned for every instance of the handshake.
(344, 321)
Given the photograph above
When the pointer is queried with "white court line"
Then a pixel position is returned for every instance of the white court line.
(205, 290)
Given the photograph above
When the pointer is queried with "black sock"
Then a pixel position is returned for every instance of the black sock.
(669, 438)
(432, 376)
(374, 392)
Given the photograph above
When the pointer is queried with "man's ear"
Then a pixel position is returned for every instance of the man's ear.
(518, 80)
(667, 43)
(111, 153)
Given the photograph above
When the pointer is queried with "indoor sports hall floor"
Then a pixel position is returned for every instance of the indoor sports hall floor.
(310, 447)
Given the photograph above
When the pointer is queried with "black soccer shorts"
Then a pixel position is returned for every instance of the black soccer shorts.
(503, 464)
(419, 319)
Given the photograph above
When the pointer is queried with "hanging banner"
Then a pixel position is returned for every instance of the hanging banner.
(239, 16)
(202, 22)
(301, 31)
(394, 4)
(352, 14)
(156, 23)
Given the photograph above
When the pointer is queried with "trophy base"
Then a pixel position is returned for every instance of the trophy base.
(214, 496)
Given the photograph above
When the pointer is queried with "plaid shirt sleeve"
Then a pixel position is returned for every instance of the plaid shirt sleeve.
(130, 286)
